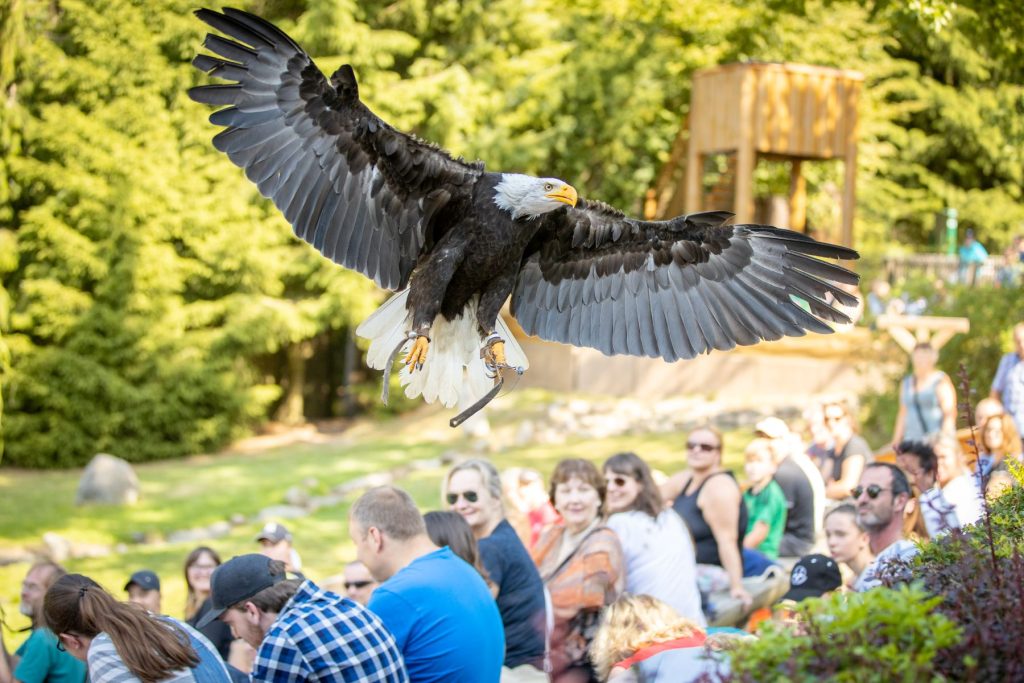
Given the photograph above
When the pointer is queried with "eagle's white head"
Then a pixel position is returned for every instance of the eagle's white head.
(523, 195)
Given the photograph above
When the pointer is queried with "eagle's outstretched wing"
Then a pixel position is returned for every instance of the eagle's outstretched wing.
(674, 289)
(359, 191)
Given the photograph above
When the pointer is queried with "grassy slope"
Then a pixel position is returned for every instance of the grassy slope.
(203, 489)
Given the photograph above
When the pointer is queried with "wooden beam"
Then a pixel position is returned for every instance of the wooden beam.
(746, 155)
(694, 173)
(797, 197)
(910, 330)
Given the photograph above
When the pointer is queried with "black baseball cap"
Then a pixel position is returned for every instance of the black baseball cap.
(274, 532)
(238, 579)
(812, 577)
(145, 579)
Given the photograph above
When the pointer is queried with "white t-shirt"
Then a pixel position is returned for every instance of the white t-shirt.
(900, 550)
(963, 495)
(660, 559)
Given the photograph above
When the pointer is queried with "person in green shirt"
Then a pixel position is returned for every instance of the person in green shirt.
(765, 501)
(38, 659)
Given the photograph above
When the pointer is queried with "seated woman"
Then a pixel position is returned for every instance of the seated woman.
(120, 641)
(708, 499)
(959, 487)
(999, 442)
(848, 542)
(643, 639)
(659, 553)
(473, 491)
(450, 529)
(580, 560)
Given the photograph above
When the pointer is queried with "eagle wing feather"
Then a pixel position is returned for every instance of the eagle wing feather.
(678, 288)
(359, 191)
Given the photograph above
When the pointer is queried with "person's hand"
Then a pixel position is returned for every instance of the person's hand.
(740, 593)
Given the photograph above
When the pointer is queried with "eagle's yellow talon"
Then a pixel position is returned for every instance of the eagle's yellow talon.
(498, 352)
(417, 354)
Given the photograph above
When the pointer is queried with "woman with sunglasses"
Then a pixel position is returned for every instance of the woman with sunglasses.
(709, 500)
(473, 490)
(121, 642)
(845, 462)
(660, 559)
(581, 562)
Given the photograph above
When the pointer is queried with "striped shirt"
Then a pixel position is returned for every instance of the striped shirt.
(106, 665)
(320, 636)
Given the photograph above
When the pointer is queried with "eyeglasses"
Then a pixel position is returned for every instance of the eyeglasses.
(834, 418)
(619, 480)
(470, 496)
(873, 491)
(203, 567)
(706, 447)
(349, 585)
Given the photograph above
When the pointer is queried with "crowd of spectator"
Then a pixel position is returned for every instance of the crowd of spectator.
(610, 571)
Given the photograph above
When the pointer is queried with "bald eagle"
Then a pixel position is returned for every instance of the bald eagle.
(456, 240)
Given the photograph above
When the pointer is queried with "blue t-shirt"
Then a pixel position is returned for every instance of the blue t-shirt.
(520, 594)
(444, 620)
(42, 661)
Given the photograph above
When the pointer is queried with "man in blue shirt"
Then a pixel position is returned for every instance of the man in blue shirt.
(443, 617)
(38, 660)
(301, 632)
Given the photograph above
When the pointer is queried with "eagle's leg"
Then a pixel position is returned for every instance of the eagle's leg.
(426, 292)
(418, 353)
(493, 351)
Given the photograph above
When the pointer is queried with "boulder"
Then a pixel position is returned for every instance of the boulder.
(108, 480)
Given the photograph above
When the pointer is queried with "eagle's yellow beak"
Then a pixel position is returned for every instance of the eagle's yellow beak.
(565, 194)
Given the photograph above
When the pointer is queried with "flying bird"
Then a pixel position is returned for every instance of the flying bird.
(456, 240)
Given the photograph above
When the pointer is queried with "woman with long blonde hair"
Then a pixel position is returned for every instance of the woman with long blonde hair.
(119, 641)
(642, 638)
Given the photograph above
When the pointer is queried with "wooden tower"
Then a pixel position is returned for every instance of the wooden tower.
(789, 112)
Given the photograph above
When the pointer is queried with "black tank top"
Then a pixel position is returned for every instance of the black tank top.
(704, 540)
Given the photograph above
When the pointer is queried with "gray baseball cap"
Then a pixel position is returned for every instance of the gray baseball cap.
(236, 580)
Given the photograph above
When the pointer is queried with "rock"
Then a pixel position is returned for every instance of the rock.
(218, 529)
(296, 496)
(109, 480)
(525, 433)
(237, 519)
(58, 548)
(327, 501)
(189, 535)
(310, 482)
(275, 512)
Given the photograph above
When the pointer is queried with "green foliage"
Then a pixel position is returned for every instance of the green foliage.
(153, 297)
(883, 634)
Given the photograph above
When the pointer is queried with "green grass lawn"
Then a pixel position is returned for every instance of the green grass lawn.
(200, 490)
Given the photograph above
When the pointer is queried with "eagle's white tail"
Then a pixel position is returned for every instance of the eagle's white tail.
(453, 373)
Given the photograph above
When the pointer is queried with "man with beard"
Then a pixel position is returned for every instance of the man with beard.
(39, 660)
(881, 497)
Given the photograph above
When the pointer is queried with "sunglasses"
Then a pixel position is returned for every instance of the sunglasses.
(706, 447)
(470, 496)
(873, 491)
(349, 585)
(619, 480)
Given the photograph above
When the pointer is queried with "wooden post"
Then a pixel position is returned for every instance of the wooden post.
(694, 174)
(746, 155)
(910, 330)
(797, 197)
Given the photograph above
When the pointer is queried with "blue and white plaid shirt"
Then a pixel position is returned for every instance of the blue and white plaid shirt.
(320, 636)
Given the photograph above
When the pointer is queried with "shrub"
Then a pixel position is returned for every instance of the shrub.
(979, 576)
(884, 634)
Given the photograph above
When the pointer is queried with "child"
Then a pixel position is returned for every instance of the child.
(766, 504)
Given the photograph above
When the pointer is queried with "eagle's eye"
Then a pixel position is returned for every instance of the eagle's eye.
(548, 187)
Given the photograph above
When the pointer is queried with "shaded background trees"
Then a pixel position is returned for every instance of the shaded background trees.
(153, 305)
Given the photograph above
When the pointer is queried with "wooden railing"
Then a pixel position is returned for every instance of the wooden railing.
(941, 266)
